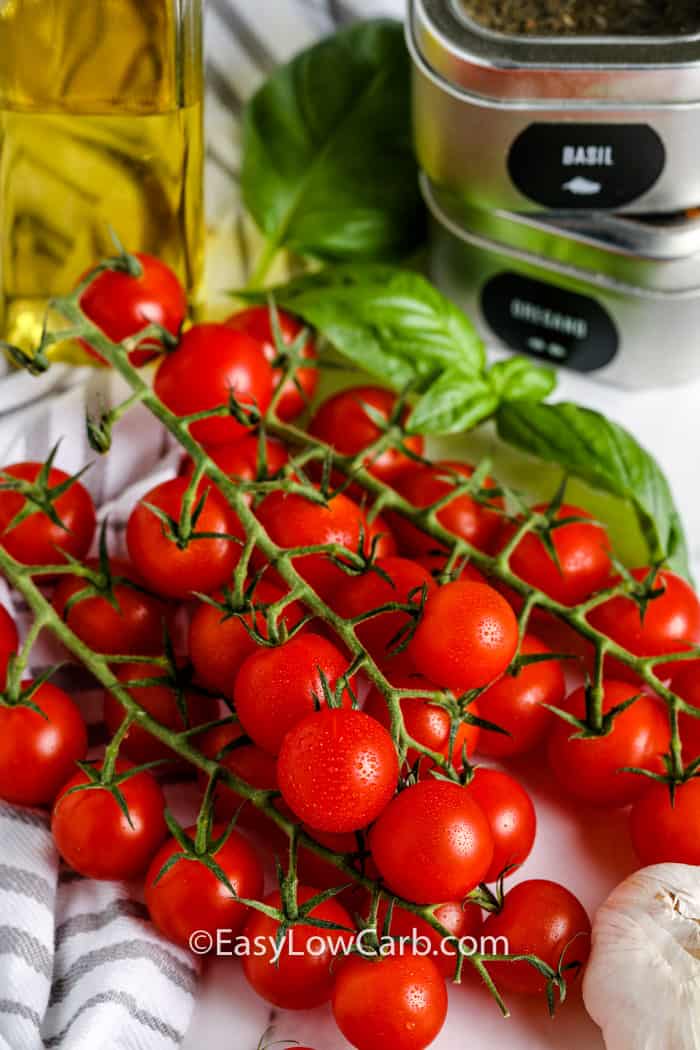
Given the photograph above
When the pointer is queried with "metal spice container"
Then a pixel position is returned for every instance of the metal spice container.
(617, 296)
(556, 122)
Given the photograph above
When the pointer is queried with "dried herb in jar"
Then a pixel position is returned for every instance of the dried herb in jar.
(587, 17)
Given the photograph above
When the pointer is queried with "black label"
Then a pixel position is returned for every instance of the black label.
(549, 322)
(586, 165)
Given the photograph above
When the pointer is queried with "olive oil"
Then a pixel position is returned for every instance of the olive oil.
(100, 131)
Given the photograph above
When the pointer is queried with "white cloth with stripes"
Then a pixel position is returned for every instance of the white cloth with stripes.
(81, 967)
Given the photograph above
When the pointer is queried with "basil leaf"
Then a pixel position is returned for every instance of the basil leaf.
(391, 322)
(328, 164)
(455, 402)
(607, 457)
(458, 400)
(518, 379)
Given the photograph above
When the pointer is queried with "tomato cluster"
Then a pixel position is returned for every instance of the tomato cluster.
(342, 685)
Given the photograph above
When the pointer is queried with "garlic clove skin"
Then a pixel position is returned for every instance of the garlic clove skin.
(642, 982)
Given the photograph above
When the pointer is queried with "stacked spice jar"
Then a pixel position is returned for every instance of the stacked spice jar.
(558, 143)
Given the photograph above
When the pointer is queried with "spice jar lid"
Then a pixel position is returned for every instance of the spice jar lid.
(645, 254)
(582, 71)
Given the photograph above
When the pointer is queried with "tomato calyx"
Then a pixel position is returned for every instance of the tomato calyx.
(20, 694)
(183, 531)
(39, 495)
(292, 913)
(99, 582)
(203, 847)
(593, 727)
(252, 614)
(108, 777)
(490, 900)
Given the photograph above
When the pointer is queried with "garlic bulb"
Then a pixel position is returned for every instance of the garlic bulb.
(642, 982)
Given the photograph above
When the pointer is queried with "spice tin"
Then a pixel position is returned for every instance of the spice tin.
(555, 123)
(616, 296)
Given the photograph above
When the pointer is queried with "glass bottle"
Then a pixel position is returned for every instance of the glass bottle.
(100, 131)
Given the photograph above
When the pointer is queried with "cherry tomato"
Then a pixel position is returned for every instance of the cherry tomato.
(539, 918)
(303, 977)
(686, 683)
(277, 687)
(204, 564)
(298, 391)
(664, 832)
(466, 637)
(462, 921)
(161, 702)
(93, 835)
(343, 422)
(583, 556)
(9, 642)
(211, 364)
(240, 459)
(136, 626)
(38, 752)
(511, 816)
(292, 520)
(671, 621)
(516, 704)
(398, 1001)
(432, 843)
(190, 897)
(428, 724)
(337, 770)
(37, 540)
(122, 305)
(423, 486)
(589, 769)
(218, 646)
(391, 580)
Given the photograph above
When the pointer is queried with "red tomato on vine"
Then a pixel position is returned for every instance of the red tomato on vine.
(337, 770)
(539, 918)
(582, 564)
(517, 702)
(297, 391)
(189, 897)
(92, 832)
(343, 422)
(304, 976)
(122, 305)
(463, 515)
(398, 1001)
(210, 365)
(135, 626)
(432, 843)
(219, 645)
(174, 568)
(466, 637)
(277, 687)
(591, 769)
(39, 748)
(37, 540)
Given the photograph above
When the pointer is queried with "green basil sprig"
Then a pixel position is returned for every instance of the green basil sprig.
(328, 165)
(396, 325)
(607, 457)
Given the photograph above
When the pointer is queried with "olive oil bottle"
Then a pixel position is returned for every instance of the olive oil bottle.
(100, 133)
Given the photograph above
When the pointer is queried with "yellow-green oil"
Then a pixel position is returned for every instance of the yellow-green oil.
(100, 131)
